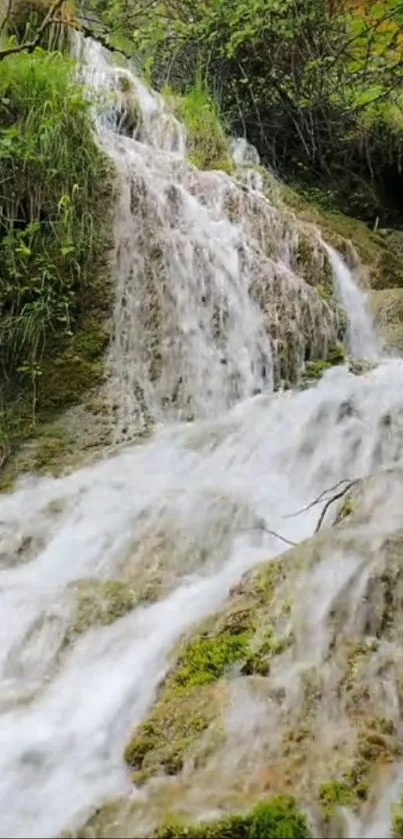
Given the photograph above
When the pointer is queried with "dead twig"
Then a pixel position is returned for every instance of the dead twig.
(318, 499)
(335, 498)
(271, 533)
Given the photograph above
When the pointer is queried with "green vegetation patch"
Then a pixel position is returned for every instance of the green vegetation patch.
(57, 191)
(101, 602)
(206, 659)
(277, 818)
(314, 369)
(397, 819)
(187, 704)
(333, 794)
(191, 697)
(207, 139)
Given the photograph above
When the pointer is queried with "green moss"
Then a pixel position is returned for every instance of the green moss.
(356, 777)
(191, 696)
(277, 817)
(186, 707)
(346, 509)
(325, 291)
(162, 742)
(101, 602)
(397, 819)
(79, 368)
(263, 582)
(333, 794)
(336, 354)
(206, 659)
(314, 369)
(356, 653)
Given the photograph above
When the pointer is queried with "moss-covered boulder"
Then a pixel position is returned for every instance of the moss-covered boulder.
(309, 644)
(100, 603)
(380, 252)
(276, 818)
(387, 307)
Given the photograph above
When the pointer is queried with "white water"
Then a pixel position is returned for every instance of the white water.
(363, 341)
(196, 501)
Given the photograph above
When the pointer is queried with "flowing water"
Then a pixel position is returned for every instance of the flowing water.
(363, 342)
(198, 504)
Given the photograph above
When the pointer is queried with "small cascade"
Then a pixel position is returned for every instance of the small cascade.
(362, 339)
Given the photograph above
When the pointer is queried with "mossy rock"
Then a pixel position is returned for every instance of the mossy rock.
(79, 368)
(78, 436)
(187, 705)
(100, 603)
(379, 251)
(276, 817)
(54, 442)
(333, 794)
(387, 308)
(314, 370)
(191, 696)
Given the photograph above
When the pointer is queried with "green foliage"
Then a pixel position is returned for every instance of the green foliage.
(335, 793)
(56, 185)
(315, 86)
(315, 369)
(207, 140)
(277, 818)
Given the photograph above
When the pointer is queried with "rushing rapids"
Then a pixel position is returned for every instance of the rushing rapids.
(210, 314)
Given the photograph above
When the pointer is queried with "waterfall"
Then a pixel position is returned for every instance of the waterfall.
(210, 308)
(180, 518)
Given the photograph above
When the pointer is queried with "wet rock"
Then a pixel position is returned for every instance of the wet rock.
(335, 729)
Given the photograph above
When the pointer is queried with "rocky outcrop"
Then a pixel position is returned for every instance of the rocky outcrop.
(387, 306)
(296, 686)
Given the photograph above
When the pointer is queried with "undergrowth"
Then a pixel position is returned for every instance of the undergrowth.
(56, 190)
(277, 818)
(207, 139)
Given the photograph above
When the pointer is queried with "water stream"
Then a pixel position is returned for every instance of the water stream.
(193, 504)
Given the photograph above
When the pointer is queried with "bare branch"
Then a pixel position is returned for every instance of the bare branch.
(262, 527)
(318, 499)
(87, 32)
(335, 498)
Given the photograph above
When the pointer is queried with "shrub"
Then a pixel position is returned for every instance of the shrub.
(277, 818)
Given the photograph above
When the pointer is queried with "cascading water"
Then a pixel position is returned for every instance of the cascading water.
(181, 517)
(364, 343)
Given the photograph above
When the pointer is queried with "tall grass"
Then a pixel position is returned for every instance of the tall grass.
(55, 188)
(207, 139)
